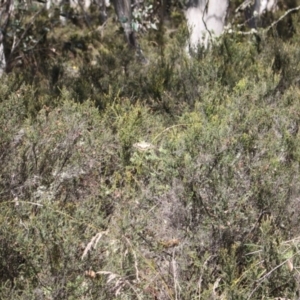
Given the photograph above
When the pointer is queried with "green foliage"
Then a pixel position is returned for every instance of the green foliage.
(174, 180)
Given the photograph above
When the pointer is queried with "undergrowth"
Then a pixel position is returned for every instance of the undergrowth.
(175, 180)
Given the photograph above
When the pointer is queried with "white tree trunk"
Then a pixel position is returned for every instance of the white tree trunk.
(253, 13)
(6, 10)
(262, 6)
(2, 56)
(206, 20)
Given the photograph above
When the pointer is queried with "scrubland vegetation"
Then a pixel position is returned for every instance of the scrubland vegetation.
(178, 179)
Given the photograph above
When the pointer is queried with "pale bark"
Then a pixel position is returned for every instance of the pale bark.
(2, 56)
(123, 11)
(255, 12)
(262, 6)
(205, 20)
(6, 10)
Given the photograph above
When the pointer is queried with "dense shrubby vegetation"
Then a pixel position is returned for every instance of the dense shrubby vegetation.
(173, 180)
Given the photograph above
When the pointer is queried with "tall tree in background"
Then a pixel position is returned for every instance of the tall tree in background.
(6, 10)
(205, 19)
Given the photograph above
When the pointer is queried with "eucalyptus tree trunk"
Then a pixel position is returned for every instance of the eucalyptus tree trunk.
(265, 5)
(254, 12)
(2, 56)
(6, 11)
(123, 11)
(205, 20)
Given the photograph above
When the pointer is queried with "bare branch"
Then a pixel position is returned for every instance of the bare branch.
(282, 17)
